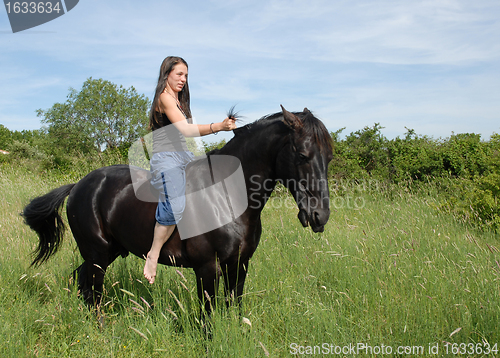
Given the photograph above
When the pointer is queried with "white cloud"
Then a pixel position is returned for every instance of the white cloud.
(363, 61)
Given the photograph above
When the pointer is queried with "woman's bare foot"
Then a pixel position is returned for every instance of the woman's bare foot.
(161, 235)
(150, 268)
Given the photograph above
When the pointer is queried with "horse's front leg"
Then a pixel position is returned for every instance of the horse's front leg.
(207, 282)
(234, 282)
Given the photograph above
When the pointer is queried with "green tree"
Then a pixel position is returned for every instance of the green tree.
(100, 116)
(5, 137)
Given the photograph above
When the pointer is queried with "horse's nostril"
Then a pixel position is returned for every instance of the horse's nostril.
(320, 217)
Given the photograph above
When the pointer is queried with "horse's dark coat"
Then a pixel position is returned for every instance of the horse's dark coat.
(107, 220)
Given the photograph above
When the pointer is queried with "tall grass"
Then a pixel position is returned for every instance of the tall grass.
(388, 271)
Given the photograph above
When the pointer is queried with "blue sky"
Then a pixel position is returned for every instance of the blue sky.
(433, 66)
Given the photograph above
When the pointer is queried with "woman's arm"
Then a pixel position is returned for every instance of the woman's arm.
(169, 107)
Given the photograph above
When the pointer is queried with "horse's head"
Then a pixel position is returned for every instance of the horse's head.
(302, 166)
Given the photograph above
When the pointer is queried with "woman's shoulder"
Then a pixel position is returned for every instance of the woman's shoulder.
(171, 107)
(167, 101)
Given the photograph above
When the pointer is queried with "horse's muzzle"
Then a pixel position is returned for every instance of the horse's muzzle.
(316, 220)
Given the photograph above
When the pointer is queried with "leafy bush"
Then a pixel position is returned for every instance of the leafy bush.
(486, 200)
(414, 158)
(475, 201)
(361, 155)
(208, 147)
(465, 168)
(493, 159)
(464, 155)
(22, 150)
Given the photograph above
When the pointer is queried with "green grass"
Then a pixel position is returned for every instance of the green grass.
(393, 272)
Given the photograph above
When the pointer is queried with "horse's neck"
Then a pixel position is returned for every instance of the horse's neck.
(257, 152)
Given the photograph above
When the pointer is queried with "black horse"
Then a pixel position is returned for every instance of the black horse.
(108, 220)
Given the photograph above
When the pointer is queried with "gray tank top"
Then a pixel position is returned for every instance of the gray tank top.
(167, 138)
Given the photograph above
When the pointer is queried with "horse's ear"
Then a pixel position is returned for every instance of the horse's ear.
(291, 120)
(306, 111)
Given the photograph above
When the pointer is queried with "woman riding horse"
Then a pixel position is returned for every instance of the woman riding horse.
(170, 119)
(108, 220)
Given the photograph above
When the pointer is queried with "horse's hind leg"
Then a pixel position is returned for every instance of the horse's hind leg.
(90, 281)
(96, 249)
(98, 256)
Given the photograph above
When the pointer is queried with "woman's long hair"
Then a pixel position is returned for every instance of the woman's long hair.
(166, 67)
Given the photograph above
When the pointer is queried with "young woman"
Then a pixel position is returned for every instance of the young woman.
(171, 122)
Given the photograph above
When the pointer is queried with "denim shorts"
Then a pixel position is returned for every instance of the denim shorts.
(168, 176)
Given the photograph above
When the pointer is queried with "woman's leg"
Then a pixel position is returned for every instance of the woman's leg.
(168, 170)
(161, 235)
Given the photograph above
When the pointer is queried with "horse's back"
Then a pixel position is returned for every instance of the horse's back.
(104, 212)
(96, 186)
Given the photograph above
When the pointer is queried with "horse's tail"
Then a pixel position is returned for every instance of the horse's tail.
(42, 215)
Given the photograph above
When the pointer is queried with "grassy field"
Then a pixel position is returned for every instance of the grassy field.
(389, 276)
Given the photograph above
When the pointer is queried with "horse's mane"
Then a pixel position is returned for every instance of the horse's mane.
(312, 127)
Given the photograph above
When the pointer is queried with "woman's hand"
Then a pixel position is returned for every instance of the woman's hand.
(228, 124)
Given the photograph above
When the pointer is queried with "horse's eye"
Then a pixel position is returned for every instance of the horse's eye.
(303, 157)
